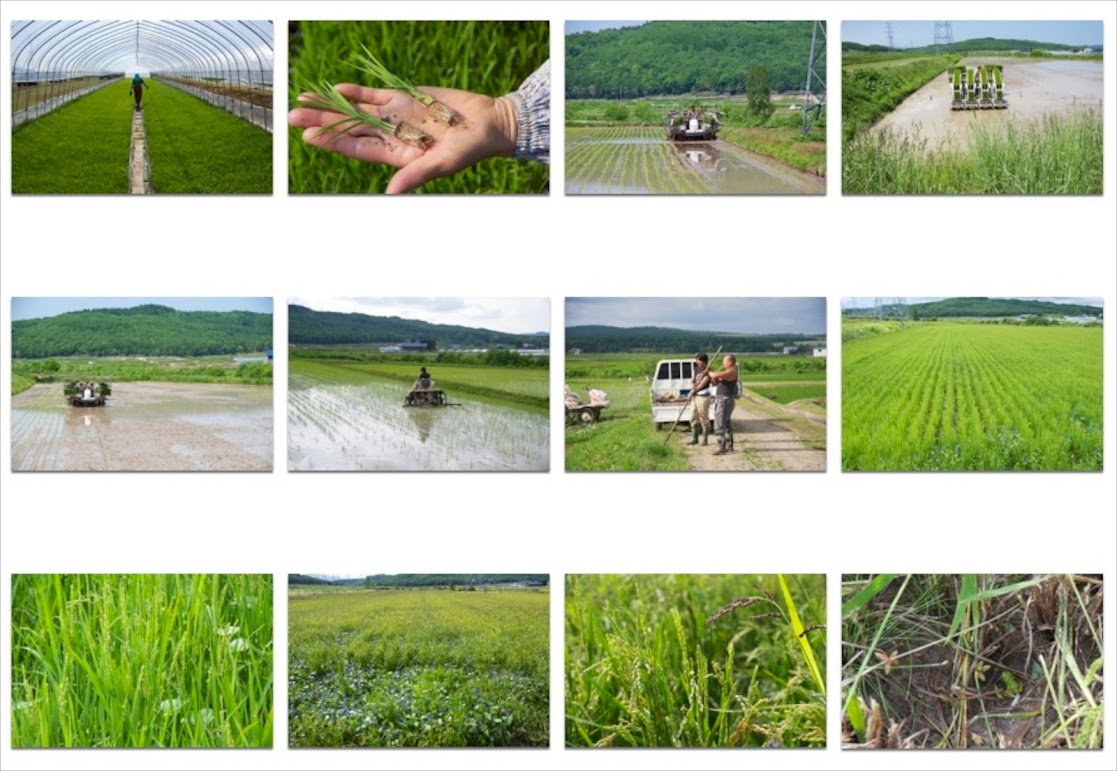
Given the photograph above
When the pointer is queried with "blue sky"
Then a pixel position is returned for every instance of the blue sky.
(44, 307)
(909, 34)
(756, 315)
(573, 27)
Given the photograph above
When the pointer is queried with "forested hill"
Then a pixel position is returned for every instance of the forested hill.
(681, 57)
(982, 307)
(145, 330)
(311, 327)
(974, 44)
(605, 339)
(427, 579)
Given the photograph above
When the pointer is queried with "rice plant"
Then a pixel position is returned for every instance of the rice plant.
(141, 661)
(695, 661)
(958, 661)
(326, 97)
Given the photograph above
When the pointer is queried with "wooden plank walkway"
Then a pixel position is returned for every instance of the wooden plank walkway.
(139, 167)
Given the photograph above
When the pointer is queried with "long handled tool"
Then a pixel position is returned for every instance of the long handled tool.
(688, 401)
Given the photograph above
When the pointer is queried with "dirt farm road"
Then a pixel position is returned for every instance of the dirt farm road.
(767, 437)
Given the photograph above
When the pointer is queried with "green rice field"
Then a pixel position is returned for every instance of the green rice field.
(973, 397)
(418, 668)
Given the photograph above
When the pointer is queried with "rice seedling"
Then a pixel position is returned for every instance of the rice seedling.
(695, 661)
(371, 65)
(326, 97)
(957, 661)
(418, 668)
(141, 661)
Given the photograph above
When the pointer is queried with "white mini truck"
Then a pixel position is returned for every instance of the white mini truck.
(671, 392)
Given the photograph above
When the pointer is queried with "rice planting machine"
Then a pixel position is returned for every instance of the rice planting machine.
(693, 125)
(86, 394)
(978, 88)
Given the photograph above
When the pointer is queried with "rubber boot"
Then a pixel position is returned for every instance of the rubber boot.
(694, 435)
(729, 442)
(706, 436)
(721, 446)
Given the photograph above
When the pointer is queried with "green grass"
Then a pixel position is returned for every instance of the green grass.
(491, 58)
(171, 369)
(82, 147)
(637, 365)
(968, 397)
(198, 148)
(869, 93)
(520, 386)
(956, 661)
(141, 660)
(695, 661)
(785, 394)
(418, 668)
(1059, 154)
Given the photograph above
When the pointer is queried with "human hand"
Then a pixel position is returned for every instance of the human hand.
(487, 129)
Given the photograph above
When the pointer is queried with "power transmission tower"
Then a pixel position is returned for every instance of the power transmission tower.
(888, 31)
(944, 37)
(814, 96)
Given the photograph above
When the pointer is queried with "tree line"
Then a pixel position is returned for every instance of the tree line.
(311, 327)
(148, 330)
(403, 580)
(686, 57)
(978, 307)
(605, 339)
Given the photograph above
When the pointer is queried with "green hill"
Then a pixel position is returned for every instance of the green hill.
(606, 339)
(401, 580)
(683, 57)
(973, 45)
(145, 330)
(311, 327)
(980, 307)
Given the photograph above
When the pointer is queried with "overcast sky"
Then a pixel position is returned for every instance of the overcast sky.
(756, 315)
(515, 315)
(43, 307)
(573, 27)
(913, 34)
(869, 302)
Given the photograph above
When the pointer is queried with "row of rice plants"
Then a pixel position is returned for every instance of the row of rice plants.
(973, 397)
(141, 661)
(589, 150)
(423, 668)
(695, 661)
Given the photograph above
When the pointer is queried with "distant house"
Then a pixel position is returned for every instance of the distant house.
(575, 351)
(790, 350)
(390, 349)
(819, 352)
(532, 351)
(413, 347)
(1079, 319)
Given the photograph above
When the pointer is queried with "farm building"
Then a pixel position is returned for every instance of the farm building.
(819, 352)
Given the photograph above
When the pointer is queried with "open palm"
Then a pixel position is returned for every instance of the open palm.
(487, 128)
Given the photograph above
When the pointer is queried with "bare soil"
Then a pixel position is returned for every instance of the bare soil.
(1032, 89)
(766, 437)
(145, 427)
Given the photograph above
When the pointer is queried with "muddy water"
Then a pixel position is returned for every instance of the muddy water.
(145, 427)
(335, 427)
(1032, 89)
(711, 168)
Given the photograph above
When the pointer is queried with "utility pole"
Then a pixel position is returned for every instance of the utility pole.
(814, 97)
(888, 31)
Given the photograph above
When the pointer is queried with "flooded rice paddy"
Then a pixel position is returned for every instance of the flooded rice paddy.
(1032, 90)
(145, 427)
(365, 427)
(638, 160)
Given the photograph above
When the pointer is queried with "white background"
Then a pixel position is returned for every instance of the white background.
(558, 523)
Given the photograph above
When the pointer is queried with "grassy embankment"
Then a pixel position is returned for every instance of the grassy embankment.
(141, 661)
(983, 661)
(418, 668)
(1059, 154)
(491, 58)
(83, 147)
(526, 387)
(779, 137)
(169, 369)
(625, 439)
(695, 661)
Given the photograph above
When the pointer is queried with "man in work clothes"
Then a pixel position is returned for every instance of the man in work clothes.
(700, 389)
(725, 395)
(137, 90)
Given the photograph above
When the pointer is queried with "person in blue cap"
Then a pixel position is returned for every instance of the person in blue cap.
(137, 90)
